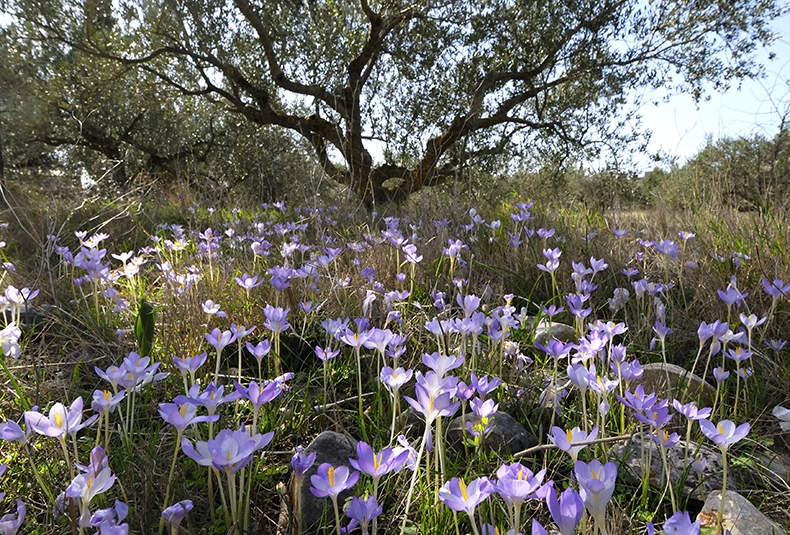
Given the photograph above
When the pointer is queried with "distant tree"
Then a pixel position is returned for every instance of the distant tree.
(747, 172)
(65, 113)
(434, 83)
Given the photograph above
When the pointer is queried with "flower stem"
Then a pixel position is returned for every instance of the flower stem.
(720, 519)
(170, 477)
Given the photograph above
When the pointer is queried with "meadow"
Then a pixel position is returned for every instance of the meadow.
(163, 368)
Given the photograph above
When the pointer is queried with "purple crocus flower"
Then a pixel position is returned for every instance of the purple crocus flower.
(361, 512)
(9, 524)
(183, 415)
(255, 394)
(598, 265)
(353, 339)
(725, 433)
(410, 254)
(378, 339)
(276, 318)
(377, 464)
(596, 484)
(731, 295)
(219, 339)
(738, 354)
(576, 302)
(691, 411)
(329, 481)
(228, 451)
(87, 486)
(210, 398)
(552, 260)
(432, 406)
(484, 385)
(469, 303)
(211, 308)
(664, 439)
(104, 401)
(565, 440)
(247, 282)
(657, 416)
(301, 462)
(259, 350)
(326, 354)
(240, 331)
(456, 495)
(59, 421)
(680, 524)
(515, 484)
(556, 348)
(567, 511)
(174, 514)
(189, 365)
(112, 375)
(775, 289)
(720, 374)
(442, 364)
(580, 376)
(12, 432)
(394, 379)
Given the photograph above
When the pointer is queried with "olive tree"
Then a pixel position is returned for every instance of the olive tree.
(428, 84)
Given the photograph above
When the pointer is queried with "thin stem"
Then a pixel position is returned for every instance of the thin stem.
(723, 490)
(414, 477)
(170, 477)
(337, 513)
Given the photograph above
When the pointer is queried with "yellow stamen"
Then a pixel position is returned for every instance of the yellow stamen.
(107, 395)
(376, 461)
(330, 476)
(58, 419)
(462, 487)
(569, 435)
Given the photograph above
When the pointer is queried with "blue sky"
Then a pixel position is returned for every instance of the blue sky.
(680, 127)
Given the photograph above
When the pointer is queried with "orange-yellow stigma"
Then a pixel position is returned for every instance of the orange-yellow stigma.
(462, 487)
(330, 476)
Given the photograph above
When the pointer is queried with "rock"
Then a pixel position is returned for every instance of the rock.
(776, 467)
(335, 449)
(507, 435)
(697, 486)
(655, 380)
(546, 330)
(740, 516)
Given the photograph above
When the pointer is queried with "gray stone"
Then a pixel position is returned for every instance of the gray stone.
(507, 435)
(335, 449)
(546, 330)
(776, 467)
(740, 516)
(698, 486)
(682, 385)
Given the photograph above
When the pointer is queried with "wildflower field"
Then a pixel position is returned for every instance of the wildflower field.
(163, 370)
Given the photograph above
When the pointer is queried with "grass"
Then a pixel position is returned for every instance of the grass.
(59, 354)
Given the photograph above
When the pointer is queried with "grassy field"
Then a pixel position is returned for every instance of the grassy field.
(129, 295)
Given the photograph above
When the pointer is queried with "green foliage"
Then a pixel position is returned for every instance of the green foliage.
(144, 328)
(178, 88)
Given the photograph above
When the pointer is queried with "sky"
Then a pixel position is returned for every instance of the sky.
(680, 127)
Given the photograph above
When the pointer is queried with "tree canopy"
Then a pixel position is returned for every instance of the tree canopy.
(430, 84)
